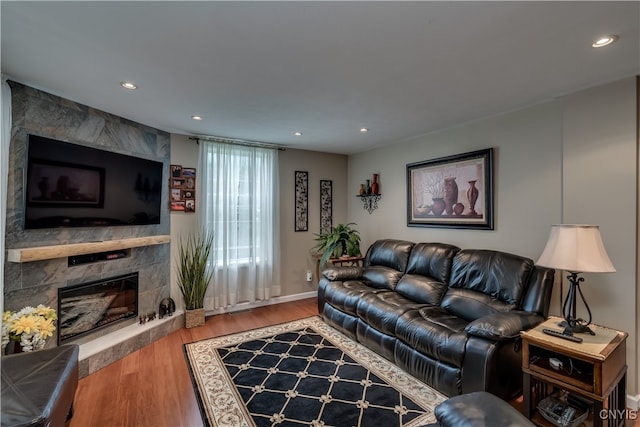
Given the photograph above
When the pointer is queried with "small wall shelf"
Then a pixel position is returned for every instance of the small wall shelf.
(40, 253)
(370, 201)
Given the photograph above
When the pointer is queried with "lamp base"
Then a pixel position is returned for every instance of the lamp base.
(576, 329)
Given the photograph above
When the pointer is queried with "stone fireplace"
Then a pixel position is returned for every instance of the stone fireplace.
(38, 281)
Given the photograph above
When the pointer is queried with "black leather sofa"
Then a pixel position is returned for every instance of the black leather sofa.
(478, 409)
(450, 317)
(38, 387)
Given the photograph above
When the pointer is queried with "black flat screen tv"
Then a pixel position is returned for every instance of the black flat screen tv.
(71, 185)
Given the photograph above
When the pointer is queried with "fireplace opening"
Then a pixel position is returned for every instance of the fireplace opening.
(87, 307)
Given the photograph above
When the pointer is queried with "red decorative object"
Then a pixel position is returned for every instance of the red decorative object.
(375, 186)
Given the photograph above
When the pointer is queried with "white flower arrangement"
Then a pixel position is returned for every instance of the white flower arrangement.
(30, 326)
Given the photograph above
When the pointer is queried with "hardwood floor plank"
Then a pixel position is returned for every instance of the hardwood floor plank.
(152, 387)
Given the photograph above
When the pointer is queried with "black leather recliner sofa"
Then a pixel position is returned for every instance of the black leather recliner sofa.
(451, 317)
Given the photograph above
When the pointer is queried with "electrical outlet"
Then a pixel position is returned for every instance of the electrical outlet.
(309, 276)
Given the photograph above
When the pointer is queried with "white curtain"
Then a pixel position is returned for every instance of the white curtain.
(5, 138)
(238, 201)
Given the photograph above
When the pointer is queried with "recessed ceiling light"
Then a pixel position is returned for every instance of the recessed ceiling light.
(196, 117)
(297, 133)
(604, 41)
(129, 85)
(363, 130)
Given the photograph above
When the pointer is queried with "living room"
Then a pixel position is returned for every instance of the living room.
(551, 157)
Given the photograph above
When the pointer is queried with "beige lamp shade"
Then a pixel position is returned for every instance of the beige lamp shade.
(576, 248)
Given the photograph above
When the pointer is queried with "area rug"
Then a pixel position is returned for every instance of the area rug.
(303, 373)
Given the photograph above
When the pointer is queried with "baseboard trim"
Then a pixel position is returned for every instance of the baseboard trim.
(633, 402)
(249, 305)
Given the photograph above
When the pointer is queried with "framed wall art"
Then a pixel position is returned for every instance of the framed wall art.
(326, 206)
(451, 192)
(302, 201)
(182, 189)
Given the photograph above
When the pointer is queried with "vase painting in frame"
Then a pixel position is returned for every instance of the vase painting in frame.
(451, 192)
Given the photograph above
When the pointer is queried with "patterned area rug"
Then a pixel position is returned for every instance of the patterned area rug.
(303, 373)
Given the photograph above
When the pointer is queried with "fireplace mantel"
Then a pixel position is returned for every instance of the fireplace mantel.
(40, 253)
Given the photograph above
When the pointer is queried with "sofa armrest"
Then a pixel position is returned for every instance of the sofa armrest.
(478, 409)
(503, 326)
(343, 273)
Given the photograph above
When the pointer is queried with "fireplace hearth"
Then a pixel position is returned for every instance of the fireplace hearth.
(88, 307)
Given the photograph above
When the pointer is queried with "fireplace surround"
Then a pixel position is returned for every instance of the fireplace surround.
(30, 281)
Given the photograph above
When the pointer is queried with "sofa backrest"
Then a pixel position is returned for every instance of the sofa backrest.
(538, 296)
(484, 282)
(427, 274)
(385, 262)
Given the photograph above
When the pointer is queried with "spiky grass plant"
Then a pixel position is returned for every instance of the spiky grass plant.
(194, 273)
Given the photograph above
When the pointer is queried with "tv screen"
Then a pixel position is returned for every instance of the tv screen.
(71, 185)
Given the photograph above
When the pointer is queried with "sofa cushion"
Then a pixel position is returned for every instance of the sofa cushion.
(427, 272)
(503, 326)
(421, 289)
(472, 305)
(389, 253)
(382, 309)
(484, 282)
(434, 332)
(345, 295)
(432, 260)
(381, 277)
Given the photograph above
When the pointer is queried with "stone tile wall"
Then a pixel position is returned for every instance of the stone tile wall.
(37, 112)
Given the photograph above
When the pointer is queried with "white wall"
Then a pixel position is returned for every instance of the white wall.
(576, 154)
(183, 152)
(599, 187)
(295, 246)
(527, 161)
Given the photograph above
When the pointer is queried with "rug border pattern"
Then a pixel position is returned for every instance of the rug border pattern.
(220, 402)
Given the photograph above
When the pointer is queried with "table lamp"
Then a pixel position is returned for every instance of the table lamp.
(575, 248)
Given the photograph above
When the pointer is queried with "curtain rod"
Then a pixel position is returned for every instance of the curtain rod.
(238, 142)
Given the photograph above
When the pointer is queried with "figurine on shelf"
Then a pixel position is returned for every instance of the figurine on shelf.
(362, 190)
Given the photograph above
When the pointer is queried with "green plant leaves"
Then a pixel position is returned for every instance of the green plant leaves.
(342, 239)
(194, 271)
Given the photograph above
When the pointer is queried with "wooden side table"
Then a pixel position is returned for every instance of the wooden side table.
(594, 370)
(352, 260)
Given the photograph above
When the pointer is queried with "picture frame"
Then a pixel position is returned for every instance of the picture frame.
(452, 192)
(177, 183)
(61, 184)
(182, 189)
(176, 171)
(301, 217)
(326, 206)
(188, 172)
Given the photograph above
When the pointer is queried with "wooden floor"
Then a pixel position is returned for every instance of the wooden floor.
(152, 387)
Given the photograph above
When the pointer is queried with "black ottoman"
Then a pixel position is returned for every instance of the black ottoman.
(478, 409)
(38, 387)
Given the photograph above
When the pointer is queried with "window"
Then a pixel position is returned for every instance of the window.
(239, 193)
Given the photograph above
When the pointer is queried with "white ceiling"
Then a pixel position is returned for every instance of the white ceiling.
(262, 70)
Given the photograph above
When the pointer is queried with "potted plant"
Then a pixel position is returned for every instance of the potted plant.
(194, 274)
(341, 240)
